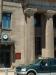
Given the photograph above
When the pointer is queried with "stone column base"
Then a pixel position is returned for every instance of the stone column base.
(47, 54)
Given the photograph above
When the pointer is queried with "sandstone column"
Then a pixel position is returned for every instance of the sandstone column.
(30, 39)
(49, 52)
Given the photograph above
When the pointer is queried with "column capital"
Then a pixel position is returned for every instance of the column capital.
(50, 13)
(30, 11)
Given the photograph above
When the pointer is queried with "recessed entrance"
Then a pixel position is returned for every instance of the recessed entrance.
(5, 51)
(54, 25)
(5, 55)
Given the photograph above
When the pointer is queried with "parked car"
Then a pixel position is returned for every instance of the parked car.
(40, 67)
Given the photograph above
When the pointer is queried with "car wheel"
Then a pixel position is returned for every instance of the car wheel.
(31, 73)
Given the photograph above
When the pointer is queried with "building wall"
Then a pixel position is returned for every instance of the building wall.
(21, 32)
(17, 31)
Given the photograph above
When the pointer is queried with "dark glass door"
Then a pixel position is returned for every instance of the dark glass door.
(5, 56)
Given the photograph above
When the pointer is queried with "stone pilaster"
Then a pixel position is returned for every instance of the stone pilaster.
(19, 34)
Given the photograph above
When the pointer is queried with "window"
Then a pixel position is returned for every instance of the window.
(54, 21)
(44, 62)
(37, 20)
(53, 62)
(14, 0)
(55, 47)
(55, 42)
(37, 46)
(6, 20)
(53, 65)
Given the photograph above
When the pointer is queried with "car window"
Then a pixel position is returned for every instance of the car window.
(53, 65)
(37, 62)
(53, 62)
(45, 62)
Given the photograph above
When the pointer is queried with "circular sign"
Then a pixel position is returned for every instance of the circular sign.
(5, 36)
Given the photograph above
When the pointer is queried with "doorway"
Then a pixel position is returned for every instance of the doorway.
(54, 26)
(5, 56)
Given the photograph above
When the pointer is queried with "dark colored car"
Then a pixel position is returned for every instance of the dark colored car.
(40, 67)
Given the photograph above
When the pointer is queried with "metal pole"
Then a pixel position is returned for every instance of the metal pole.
(6, 71)
(1, 8)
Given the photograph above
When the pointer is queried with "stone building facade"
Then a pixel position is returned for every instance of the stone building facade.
(26, 32)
